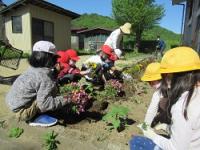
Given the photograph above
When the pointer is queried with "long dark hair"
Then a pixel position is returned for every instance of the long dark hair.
(42, 59)
(163, 115)
(164, 88)
(181, 82)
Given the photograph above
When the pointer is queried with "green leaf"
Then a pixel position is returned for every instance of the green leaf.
(15, 132)
(115, 115)
(116, 124)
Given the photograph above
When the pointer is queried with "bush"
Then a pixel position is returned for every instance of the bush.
(25, 55)
(84, 52)
(148, 46)
(175, 45)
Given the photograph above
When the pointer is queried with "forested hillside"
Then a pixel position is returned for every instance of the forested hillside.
(95, 20)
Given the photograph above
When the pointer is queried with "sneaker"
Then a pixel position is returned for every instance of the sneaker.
(44, 121)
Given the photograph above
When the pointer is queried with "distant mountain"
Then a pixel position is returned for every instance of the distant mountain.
(95, 20)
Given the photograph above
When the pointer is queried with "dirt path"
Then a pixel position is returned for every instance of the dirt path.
(85, 135)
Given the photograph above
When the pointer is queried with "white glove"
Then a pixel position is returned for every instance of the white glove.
(149, 133)
(147, 130)
(161, 126)
(87, 77)
(88, 71)
(164, 127)
(127, 76)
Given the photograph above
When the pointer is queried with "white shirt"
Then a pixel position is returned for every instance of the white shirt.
(185, 134)
(153, 107)
(94, 59)
(114, 39)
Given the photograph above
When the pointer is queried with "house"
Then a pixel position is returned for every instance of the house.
(191, 34)
(28, 21)
(89, 39)
(2, 6)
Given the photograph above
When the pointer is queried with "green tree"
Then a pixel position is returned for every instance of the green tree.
(142, 14)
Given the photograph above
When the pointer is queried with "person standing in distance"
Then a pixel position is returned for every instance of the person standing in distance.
(114, 39)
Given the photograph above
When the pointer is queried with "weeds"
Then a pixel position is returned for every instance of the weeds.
(15, 132)
(137, 101)
(2, 124)
(50, 141)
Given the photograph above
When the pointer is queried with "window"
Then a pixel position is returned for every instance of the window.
(42, 30)
(48, 31)
(17, 24)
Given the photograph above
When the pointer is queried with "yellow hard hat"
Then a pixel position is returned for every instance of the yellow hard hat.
(152, 72)
(126, 28)
(180, 59)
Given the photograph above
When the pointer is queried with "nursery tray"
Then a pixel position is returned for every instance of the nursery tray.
(10, 57)
(8, 80)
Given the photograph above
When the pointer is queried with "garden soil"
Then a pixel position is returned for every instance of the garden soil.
(84, 134)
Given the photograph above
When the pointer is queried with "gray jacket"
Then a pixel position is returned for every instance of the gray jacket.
(35, 84)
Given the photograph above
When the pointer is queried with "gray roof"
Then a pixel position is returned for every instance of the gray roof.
(177, 1)
(42, 4)
(93, 29)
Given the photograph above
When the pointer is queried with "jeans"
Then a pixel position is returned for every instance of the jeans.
(142, 143)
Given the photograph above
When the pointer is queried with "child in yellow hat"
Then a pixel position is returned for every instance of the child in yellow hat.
(153, 77)
(183, 64)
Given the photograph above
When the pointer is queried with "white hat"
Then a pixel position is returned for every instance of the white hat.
(44, 46)
(126, 28)
(118, 52)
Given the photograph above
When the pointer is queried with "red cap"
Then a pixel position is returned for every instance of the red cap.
(107, 49)
(72, 54)
(64, 58)
(113, 57)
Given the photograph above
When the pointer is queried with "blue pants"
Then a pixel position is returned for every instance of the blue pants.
(142, 143)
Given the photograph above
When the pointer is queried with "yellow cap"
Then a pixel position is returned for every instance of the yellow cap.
(180, 59)
(126, 28)
(152, 72)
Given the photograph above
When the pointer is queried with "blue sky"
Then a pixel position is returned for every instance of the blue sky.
(171, 20)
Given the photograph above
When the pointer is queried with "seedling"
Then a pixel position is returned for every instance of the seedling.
(16, 132)
(116, 117)
(113, 88)
(144, 126)
(137, 101)
(50, 141)
(2, 124)
(109, 91)
(101, 138)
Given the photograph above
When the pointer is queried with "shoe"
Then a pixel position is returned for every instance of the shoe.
(44, 121)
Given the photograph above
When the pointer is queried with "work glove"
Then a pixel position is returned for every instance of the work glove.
(149, 133)
(163, 126)
(88, 78)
